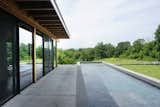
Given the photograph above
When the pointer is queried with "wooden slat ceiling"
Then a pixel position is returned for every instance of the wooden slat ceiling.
(45, 14)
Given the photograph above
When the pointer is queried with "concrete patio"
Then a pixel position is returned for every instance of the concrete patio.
(57, 89)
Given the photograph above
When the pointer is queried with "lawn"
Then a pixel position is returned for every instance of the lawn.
(119, 61)
(149, 70)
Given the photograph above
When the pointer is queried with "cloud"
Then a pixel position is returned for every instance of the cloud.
(111, 21)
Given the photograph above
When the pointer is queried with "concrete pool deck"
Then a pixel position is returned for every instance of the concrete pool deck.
(56, 89)
(87, 85)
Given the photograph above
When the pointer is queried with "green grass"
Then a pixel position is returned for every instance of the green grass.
(122, 61)
(149, 70)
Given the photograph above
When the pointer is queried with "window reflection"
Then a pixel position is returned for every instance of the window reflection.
(48, 54)
(7, 40)
(9, 64)
(26, 66)
(39, 56)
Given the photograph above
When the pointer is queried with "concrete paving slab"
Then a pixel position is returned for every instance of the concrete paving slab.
(42, 101)
(56, 89)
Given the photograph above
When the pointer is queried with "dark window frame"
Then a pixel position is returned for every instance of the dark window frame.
(14, 58)
(29, 28)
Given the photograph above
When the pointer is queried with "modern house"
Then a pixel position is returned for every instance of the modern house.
(26, 25)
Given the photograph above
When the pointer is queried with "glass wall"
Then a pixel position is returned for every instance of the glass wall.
(48, 54)
(16, 69)
(25, 56)
(8, 49)
(39, 56)
(53, 55)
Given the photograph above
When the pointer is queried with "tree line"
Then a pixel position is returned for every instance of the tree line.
(139, 49)
(26, 52)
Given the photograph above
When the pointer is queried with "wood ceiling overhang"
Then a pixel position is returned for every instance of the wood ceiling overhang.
(44, 14)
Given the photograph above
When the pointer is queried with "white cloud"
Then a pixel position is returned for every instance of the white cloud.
(112, 21)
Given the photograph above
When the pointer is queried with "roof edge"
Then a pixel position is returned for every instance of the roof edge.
(60, 16)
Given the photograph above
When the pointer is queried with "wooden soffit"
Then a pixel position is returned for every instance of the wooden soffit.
(44, 15)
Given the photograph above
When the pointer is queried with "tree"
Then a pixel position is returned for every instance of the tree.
(100, 51)
(89, 53)
(122, 47)
(137, 49)
(157, 39)
(149, 49)
(138, 45)
(109, 50)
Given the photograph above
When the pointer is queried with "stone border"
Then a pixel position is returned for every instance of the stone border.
(85, 62)
(147, 79)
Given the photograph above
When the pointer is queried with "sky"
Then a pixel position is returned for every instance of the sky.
(108, 21)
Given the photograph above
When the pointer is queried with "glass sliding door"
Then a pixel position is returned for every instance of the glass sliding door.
(39, 56)
(52, 54)
(7, 56)
(25, 56)
(48, 54)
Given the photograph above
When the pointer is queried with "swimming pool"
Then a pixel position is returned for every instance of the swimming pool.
(107, 87)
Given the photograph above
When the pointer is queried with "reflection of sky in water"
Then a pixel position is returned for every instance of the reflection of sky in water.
(26, 37)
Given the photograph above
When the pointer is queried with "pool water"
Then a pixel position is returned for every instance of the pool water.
(107, 87)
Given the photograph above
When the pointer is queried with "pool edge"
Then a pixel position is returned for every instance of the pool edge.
(152, 81)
